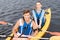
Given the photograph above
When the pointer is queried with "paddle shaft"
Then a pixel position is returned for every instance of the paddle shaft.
(4, 36)
(10, 24)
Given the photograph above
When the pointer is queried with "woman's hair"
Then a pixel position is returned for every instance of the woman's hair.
(38, 2)
(26, 11)
(34, 8)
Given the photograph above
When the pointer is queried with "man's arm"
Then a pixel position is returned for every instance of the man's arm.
(15, 28)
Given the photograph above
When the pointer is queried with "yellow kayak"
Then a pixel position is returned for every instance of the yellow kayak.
(45, 27)
(55, 38)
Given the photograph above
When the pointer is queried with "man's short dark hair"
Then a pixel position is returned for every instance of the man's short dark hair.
(26, 11)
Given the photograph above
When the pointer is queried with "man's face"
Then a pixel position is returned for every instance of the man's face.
(27, 16)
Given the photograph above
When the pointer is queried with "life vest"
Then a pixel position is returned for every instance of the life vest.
(25, 28)
(38, 16)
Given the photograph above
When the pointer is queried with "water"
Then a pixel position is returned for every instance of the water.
(11, 11)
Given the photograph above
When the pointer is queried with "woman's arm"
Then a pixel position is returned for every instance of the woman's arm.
(35, 27)
(43, 12)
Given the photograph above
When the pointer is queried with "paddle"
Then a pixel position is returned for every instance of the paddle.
(3, 36)
(26, 36)
(23, 36)
(5, 23)
(10, 24)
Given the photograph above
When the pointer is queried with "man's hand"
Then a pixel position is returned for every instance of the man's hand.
(15, 35)
(28, 36)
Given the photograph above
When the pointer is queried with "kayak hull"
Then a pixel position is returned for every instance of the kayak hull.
(45, 27)
(55, 38)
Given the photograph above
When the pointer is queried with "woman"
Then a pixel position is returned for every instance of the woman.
(25, 26)
(38, 15)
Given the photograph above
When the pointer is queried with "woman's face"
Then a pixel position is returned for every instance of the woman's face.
(27, 16)
(38, 5)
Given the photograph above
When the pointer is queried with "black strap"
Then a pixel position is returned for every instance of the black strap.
(34, 30)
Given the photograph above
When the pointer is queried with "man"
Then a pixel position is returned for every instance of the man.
(38, 15)
(25, 26)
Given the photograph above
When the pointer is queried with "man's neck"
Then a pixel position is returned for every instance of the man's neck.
(27, 21)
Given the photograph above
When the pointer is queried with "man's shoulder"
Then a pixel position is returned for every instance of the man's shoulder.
(20, 20)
